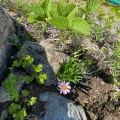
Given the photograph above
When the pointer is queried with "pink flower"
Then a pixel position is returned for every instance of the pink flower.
(64, 87)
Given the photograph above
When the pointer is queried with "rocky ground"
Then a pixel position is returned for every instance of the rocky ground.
(92, 99)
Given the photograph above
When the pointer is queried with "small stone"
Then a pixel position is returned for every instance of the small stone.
(31, 117)
(4, 115)
(92, 115)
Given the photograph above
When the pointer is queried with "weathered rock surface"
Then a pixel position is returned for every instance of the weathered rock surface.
(4, 96)
(6, 29)
(46, 54)
(31, 117)
(4, 115)
(54, 56)
(60, 108)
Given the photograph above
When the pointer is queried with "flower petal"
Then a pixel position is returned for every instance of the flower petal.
(64, 92)
(68, 90)
(61, 83)
(69, 87)
(61, 91)
(59, 86)
(67, 83)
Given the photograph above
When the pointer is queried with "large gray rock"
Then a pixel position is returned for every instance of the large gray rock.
(60, 108)
(5, 96)
(46, 54)
(6, 29)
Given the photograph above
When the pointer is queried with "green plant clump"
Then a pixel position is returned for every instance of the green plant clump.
(26, 61)
(59, 15)
(75, 69)
(11, 82)
(69, 71)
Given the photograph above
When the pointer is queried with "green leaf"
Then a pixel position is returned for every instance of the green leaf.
(92, 5)
(27, 60)
(37, 10)
(14, 107)
(14, 115)
(38, 68)
(48, 5)
(23, 112)
(25, 93)
(15, 96)
(61, 9)
(53, 14)
(42, 78)
(20, 77)
(79, 25)
(22, 49)
(71, 10)
(39, 18)
(32, 101)
(31, 18)
(67, 11)
(16, 63)
(59, 22)
(29, 79)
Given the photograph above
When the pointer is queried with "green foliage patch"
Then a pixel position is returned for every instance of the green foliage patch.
(17, 110)
(60, 16)
(69, 71)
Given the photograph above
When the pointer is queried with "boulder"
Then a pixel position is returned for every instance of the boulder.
(59, 108)
(6, 29)
(46, 54)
